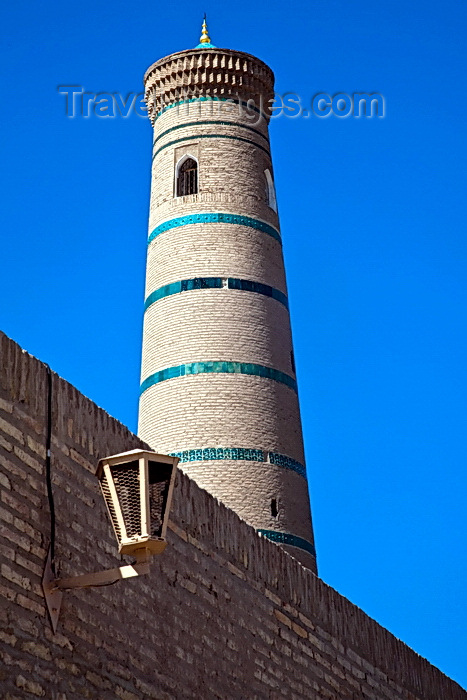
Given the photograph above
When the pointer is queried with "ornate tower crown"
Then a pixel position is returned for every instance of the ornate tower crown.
(208, 72)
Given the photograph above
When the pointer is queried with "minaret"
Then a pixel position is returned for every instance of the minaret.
(218, 376)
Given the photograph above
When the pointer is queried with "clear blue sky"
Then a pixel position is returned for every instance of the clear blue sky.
(373, 220)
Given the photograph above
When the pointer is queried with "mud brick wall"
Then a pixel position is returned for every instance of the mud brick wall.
(223, 614)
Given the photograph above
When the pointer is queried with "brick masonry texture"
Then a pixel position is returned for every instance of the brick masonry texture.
(220, 250)
(257, 330)
(231, 145)
(223, 615)
(238, 393)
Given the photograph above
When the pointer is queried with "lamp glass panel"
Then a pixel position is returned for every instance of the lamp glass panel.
(159, 482)
(126, 480)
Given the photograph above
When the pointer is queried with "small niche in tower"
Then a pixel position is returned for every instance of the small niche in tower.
(270, 191)
(274, 510)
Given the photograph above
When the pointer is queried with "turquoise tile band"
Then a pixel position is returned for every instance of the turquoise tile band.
(287, 463)
(213, 218)
(288, 538)
(183, 286)
(247, 454)
(207, 123)
(259, 288)
(219, 367)
(205, 98)
(208, 454)
(215, 283)
(211, 136)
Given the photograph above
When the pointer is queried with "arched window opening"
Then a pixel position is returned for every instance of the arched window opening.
(270, 191)
(187, 177)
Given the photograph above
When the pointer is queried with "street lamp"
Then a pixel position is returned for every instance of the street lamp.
(137, 487)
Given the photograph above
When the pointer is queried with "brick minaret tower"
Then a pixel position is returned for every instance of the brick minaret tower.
(218, 377)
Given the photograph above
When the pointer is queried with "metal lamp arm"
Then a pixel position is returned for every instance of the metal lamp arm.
(101, 578)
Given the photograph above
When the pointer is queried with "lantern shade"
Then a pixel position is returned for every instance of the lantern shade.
(137, 488)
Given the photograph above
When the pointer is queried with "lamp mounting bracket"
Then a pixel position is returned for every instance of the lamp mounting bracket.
(53, 588)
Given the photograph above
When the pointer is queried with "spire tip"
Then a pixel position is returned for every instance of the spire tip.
(204, 40)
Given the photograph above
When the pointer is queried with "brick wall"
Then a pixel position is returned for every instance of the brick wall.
(223, 614)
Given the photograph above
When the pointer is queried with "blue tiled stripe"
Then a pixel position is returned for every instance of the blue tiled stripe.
(223, 218)
(259, 288)
(215, 283)
(287, 462)
(206, 123)
(219, 367)
(208, 454)
(288, 538)
(211, 136)
(183, 286)
(205, 98)
(204, 454)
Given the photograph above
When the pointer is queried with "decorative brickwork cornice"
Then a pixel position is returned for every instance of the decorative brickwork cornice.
(220, 73)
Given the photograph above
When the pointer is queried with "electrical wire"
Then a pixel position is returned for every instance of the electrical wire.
(48, 477)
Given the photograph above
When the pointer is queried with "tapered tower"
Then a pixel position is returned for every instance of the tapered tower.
(218, 376)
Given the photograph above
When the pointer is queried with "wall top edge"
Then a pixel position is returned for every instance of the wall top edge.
(199, 52)
(24, 379)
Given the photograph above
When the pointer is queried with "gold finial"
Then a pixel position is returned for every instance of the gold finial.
(204, 38)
